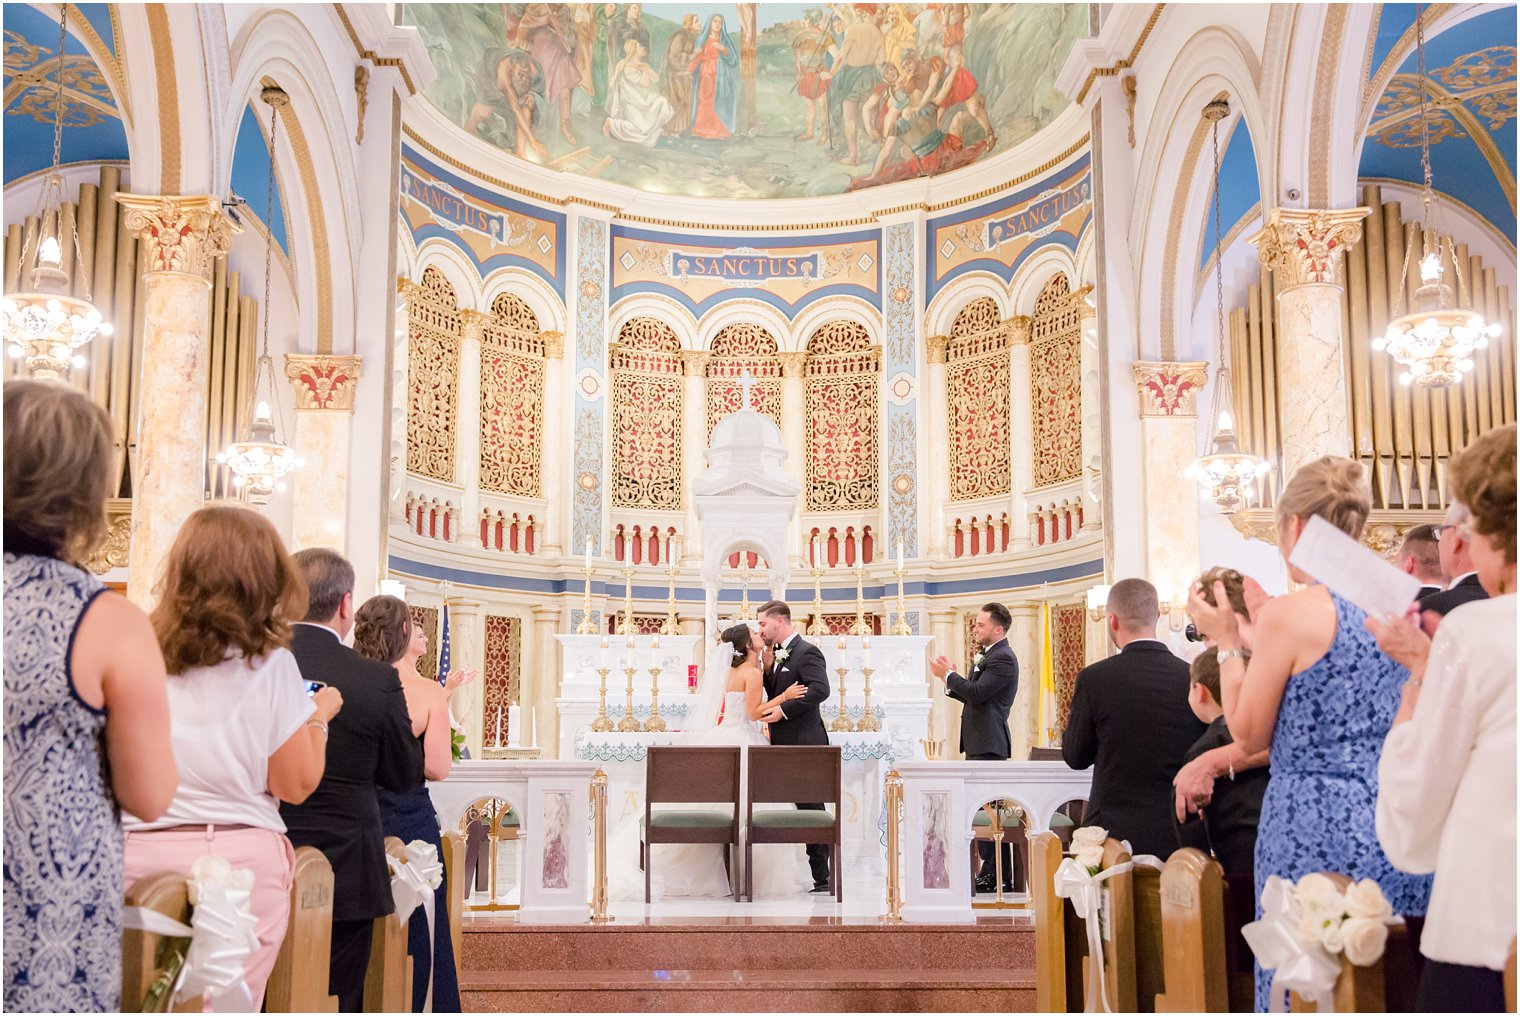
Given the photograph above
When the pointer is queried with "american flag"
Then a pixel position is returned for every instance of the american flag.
(443, 645)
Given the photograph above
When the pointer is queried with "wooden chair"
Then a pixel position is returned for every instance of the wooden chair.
(789, 774)
(455, 879)
(388, 980)
(691, 775)
(146, 958)
(298, 982)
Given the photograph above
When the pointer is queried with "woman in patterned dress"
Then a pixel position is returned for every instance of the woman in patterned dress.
(1321, 695)
(86, 713)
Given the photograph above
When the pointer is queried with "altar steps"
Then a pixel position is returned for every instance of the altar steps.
(749, 965)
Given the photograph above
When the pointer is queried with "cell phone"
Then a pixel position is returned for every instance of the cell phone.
(312, 687)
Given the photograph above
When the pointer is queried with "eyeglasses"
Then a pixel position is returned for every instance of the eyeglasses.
(1462, 529)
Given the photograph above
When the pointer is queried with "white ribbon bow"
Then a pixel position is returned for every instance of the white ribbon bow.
(1074, 883)
(1296, 965)
(222, 938)
(412, 884)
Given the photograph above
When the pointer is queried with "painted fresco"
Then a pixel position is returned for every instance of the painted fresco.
(999, 235)
(492, 229)
(789, 274)
(749, 100)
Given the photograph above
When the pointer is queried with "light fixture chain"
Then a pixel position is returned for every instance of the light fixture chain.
(266, 363)
(63, 35)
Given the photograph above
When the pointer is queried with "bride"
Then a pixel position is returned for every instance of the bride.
(725, 711)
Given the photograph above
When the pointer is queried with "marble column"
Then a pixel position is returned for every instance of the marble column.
(182, 236)
(1092, 423)
(1169, 438)
(324, 397)
(794, 437)
(1024, 640)
(552, 465)
(944, 711)
(1020, 428)
(539, 693)
(1305, 248)
(406, 291)
(693, 444)
(937, 411)
(467, 431)
(467, 637)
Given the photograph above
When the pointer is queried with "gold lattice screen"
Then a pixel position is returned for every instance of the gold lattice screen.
(842, 372)
(739, 349)
(647, 410)
(432, 376)
(977, 375)
(511, 399)
(1055, 381)
(426, 618)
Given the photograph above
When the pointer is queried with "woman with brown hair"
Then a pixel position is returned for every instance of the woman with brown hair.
(86, 719)
(383, 630)
(1320, 695)
(247, 731)
(1446, 800)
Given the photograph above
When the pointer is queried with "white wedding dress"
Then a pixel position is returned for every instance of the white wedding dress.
(695, 870)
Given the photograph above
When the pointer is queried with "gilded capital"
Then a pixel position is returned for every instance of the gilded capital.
(938, 346)
(323, 382)
(1170, 389)
(406, 288)
(695, 361)
(1020, 329)
(792, 363)
(554, 345)
(179, 234)
(1305, 246)
(472, 324)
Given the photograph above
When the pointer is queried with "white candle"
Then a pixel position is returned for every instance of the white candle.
(604, 651)
(498, 726)
(900, 553)
(588, 553)
(534, 717)
(514, 726)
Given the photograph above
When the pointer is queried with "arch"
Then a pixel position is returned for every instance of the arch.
(1035, 274)
(662, 308)
(953, 299)
(455, 266)
(762, 314)
(850, 308)
(1086, 258)
(531, 290)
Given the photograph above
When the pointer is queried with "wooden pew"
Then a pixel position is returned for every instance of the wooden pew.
(455, 879)
(298, 982)
(147, 958)
(1368, 989)
(388, 980)
(1193, 933)
(1057, 972)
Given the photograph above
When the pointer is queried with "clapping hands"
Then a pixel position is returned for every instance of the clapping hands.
(458, 679)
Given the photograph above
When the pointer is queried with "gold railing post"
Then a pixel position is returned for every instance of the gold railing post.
(599, 913)
(894, 879)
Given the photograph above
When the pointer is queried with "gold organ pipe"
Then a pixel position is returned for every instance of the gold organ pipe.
(1481, 414)
(1270, 418)
(123, 270)
(84, 233)
(136, 313)
(1381, 381)
(219, 345)
(1357, 350)
(249, 324)
(13, 257)
(1507, 369)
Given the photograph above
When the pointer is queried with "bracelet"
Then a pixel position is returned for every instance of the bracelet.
(320, 724)
(1230, 654)
(1231, 767)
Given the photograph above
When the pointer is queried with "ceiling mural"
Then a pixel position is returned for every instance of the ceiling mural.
(749, 100)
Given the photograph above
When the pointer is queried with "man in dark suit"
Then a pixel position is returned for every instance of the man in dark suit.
(1420, 555)
(1131, 721)
(1453, 537)
(370, 744)
(796, 660)
(986, 696)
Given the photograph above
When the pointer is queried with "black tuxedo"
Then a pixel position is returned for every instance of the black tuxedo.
(1227, 828)
(369, 743)
(1130, 720)
(1428, 590)
(801, 722)
(987, 696)
(1464, 591)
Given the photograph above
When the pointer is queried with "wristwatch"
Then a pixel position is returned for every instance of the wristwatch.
(1230, 654)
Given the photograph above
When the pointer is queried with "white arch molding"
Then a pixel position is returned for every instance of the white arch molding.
(953, 299)
(1037, 270)
(664, 309)
(746, 311)
(532, 290)
(836, 308)
(455, 266)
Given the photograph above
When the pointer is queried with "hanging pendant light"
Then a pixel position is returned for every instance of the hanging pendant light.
(45, 325)
(1436, 340)
(1226, 473)
(260, 463)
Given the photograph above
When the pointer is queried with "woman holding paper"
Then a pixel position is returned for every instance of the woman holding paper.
(1446, 800)
(1321, 696)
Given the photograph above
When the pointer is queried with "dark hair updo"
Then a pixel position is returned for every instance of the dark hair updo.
(738, 638)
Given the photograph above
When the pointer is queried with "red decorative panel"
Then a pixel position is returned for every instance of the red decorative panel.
(840, 624)
(1068, 633)
(842, 449)
(647, 407)
(432, 377)
(511, 399)
(739, 349)
(501, 676)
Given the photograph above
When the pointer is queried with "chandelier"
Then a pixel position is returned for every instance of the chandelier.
(1435, 341)
(1226, 473)
(260, 463)
(46, 325)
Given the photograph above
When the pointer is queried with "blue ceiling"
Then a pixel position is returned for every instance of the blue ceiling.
(92, 124)
(1238, 185)
(250, 174)
(1470, 75)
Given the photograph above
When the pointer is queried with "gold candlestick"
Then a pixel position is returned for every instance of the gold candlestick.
(655, 723)
(587, 625)
(672, 625)
(628, 724)
(625, 625)
(818, 627)
(602, 724)
(901, 627)
(860, 627)
(842, 722)
(744, 612)
(868, 722)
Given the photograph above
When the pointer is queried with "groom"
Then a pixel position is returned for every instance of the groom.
(796, 661)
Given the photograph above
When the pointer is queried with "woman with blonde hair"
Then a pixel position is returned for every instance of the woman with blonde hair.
(86, 719)
(1320, 695)
(1446, 799)
(247, 733)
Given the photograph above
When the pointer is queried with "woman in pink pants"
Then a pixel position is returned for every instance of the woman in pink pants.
(245, 731)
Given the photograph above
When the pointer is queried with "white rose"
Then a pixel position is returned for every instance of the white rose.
(1365, 899)
(1089, 836)
(1090, 857)
(1318, 897)
(1331, 937)
(1363, 939)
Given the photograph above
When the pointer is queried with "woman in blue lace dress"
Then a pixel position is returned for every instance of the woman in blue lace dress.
(86, 713)
(1321, 695)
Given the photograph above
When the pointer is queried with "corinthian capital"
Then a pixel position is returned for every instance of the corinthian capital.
(180, 234)
(938, 346)
(695, 361)
(792, 364)
(1020, 329)
(554, 345)
(1304, 246)
(1170, 389)
(323, 382)
(471, 324)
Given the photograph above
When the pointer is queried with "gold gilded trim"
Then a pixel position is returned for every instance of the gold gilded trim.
(1324, 102)
(103, 54)
(1039, 170)
(167, 87)
(443, 156)
(1127, 62)
(296, 137)
(371, 55)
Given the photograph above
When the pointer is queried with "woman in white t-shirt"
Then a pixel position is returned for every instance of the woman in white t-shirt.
(245, 731)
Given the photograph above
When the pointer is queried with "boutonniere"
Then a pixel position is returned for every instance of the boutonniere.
(782, 654)
(976, 661)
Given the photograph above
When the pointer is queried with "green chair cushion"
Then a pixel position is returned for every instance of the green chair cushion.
(1060, 821)
(509, 818)
(981, 819)
(668, 819)
(793, 820)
